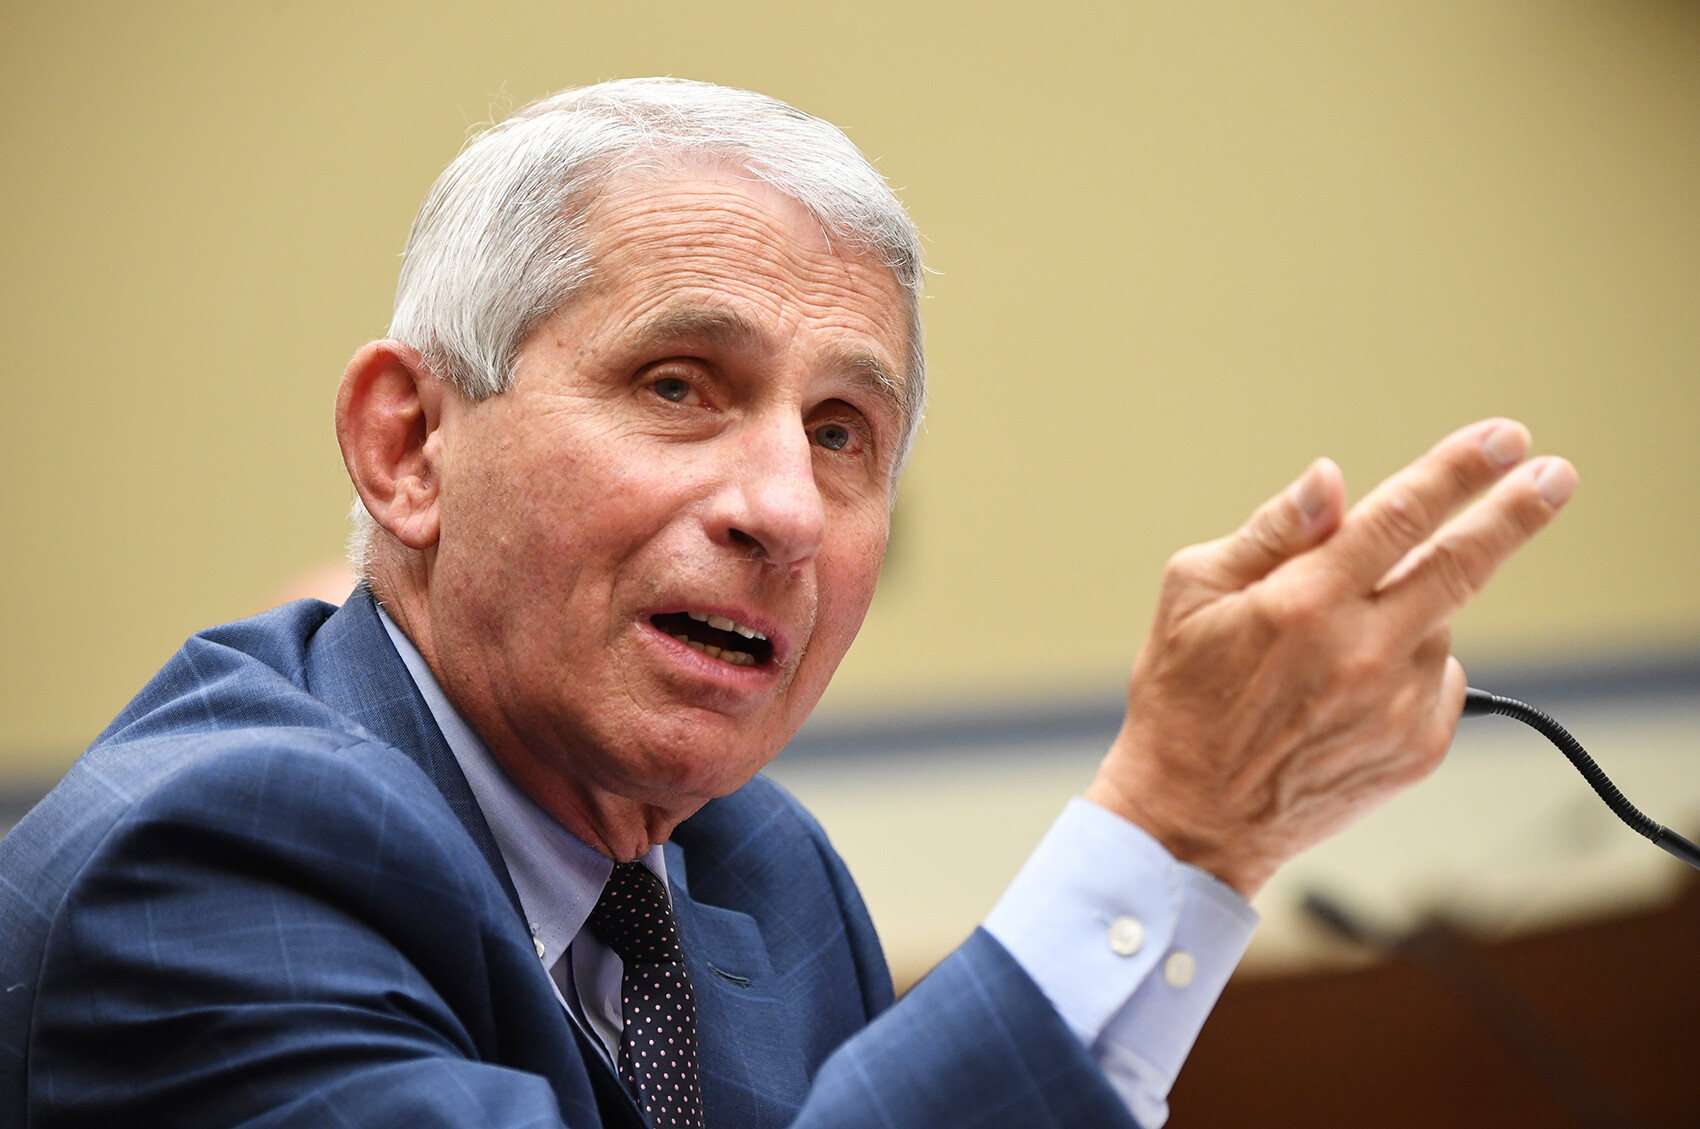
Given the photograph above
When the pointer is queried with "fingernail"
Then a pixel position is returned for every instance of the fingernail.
(1506, 444)
(1556, 481)
(1310, 492)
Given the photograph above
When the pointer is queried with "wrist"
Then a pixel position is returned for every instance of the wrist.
(1190, 840)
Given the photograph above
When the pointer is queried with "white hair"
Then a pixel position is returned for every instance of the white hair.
(500, 243)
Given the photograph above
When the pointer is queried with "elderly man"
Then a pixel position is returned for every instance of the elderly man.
(486, 846)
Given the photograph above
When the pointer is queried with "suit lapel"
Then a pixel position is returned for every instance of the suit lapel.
(352, 667)
(751, 1070)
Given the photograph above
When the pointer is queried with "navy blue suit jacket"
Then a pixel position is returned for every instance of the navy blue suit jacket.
(266, 897)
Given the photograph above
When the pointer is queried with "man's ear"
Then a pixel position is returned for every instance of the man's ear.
(388, 410)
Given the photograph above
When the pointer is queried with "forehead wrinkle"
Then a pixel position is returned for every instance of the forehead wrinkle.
(639, 229)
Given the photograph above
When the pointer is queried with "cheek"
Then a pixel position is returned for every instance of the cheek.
(556, 509)
(848, 580)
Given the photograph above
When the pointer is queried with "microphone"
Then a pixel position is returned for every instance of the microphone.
(1478, 703)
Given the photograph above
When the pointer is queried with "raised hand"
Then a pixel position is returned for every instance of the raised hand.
(1299, 671)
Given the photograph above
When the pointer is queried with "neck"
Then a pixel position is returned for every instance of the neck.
(614, 825)
(608, 821)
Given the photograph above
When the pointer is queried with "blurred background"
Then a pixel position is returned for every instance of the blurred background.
(1178, 250)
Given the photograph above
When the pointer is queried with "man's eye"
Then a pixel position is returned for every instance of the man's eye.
(672, 388)
(833, 436)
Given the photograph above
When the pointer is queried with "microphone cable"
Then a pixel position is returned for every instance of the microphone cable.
(1478, 703)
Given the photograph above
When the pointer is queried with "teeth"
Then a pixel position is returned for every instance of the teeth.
(736, 658)
(721, 623)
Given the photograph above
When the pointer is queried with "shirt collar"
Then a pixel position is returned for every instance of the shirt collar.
(557, 876)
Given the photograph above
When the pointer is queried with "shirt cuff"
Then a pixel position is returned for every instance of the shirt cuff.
(1131, 946)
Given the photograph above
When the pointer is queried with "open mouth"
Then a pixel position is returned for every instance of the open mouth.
(716, 636)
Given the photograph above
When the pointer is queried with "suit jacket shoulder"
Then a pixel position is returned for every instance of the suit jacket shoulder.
(238, 893)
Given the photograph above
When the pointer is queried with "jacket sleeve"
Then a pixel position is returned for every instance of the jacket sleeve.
(975, 1043)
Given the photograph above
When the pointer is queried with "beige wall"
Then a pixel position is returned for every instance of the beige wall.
(1182, 249)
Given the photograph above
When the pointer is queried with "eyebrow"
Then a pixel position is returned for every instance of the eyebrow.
(718, 325)
(869, 372)
(695, 321)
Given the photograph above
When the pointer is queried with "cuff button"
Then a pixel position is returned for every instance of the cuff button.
(1178, 970)
(1127, 935)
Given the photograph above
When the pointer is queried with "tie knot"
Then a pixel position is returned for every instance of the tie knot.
(633, 917)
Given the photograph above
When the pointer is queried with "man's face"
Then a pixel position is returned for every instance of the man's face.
(706, 434)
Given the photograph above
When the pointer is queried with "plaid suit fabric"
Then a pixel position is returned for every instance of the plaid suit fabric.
(265, 897)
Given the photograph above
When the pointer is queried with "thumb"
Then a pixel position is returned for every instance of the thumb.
(1299, 517)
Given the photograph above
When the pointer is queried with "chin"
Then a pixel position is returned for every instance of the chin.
(696, 769)
(707, 777)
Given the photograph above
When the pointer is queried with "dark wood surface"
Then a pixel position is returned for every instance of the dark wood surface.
(1389, 1046)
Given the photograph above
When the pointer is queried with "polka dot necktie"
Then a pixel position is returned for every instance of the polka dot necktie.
(658, 1049)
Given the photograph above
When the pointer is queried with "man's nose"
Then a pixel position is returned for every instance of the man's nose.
(770, 507)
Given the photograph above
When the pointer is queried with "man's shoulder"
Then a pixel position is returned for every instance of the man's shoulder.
(230, 723)
(271, 785)
(185, 856)
(262, 696)
(249, 674)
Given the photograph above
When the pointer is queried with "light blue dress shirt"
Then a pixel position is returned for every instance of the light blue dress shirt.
(1131, 946)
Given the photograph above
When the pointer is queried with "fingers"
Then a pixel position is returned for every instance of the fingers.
(1450, 704)
(1446, 573)
(1430, 732)
(1405, 510)
(1433, 659)
(1289, 523)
